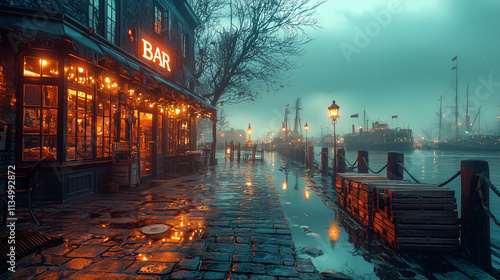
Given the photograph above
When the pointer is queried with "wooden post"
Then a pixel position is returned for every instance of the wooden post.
(310, 157)
(254, 152)
(341, 161)
(395, 162)
(303, 154)
(231, 155)
(475, 241)
(324, 161)
(239, 151)
(262, 152)
(362, 167)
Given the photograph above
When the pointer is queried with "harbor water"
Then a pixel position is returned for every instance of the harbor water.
(312, 222)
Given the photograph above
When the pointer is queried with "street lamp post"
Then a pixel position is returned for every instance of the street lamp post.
(333, 112)
(249, 130)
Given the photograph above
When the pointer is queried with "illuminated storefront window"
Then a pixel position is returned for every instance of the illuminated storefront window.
(91, 124)
(39, 122)
(39, 109)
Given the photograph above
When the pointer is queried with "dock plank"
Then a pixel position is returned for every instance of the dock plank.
(468, 268)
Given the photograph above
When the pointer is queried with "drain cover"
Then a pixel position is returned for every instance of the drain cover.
(155, 231)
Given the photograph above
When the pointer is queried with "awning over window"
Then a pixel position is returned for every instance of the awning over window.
(14, 22)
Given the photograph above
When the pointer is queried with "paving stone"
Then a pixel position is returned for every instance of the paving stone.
(210, 275)
(281, 270)
(215, 266)
(242, 258)
(260, 277)
(53, 260)
(306, 268)
(266, 258)
(216, 256)
(243, 240)
(189, 264)
(221, 247)
(110, 265)
(265, 248)
(78, 263)
(238, 277)
(186, 274)
(249, 268)
(157, 268)
(135, 266)
(87, 251)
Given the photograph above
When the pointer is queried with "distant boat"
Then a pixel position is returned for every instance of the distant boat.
(380, 138)
(466, 140)
(475, 142)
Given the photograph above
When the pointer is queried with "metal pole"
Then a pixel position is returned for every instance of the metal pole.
(334, 150)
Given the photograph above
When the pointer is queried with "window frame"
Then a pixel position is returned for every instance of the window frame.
(158, 19)
(94, 14)
(111, 17)
(42, 81)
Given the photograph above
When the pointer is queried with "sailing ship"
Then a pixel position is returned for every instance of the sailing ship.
(468, 140)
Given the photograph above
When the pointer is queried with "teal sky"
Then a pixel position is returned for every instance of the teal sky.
(392, 57)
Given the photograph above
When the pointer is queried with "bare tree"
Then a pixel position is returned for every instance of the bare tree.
(247, 47)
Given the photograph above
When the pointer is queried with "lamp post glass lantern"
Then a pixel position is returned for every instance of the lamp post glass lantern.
(333, 112)
(249, 130)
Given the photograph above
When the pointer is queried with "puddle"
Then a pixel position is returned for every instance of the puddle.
(317, 229)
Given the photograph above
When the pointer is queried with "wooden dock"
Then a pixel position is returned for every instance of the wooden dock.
(408, 216)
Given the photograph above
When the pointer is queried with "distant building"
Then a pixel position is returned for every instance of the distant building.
(236, 136)
(78, 76)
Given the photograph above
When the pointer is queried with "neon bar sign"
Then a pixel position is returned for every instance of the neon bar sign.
(159, 56)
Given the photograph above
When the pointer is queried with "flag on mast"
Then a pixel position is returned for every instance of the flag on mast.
(395, 116)
(455, 58)
(354, 116)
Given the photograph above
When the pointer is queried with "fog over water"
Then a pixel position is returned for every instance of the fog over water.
(394, 58)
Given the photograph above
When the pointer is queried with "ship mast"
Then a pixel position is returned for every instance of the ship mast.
(456, 94)
(440, 116)
(297, 122)
(467, 117)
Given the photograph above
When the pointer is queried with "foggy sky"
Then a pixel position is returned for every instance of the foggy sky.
(392, 57)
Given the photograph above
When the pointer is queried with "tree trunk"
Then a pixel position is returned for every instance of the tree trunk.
(214, 142)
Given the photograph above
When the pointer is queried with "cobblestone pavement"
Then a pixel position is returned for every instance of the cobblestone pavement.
(227, 223)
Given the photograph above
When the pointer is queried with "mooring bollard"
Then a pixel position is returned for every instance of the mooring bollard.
(324, 161)
(362, 161)
(310, 157)
(475, 241)
(395, 162)
(341, 161)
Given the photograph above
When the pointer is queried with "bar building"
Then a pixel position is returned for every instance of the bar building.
(79, 77)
